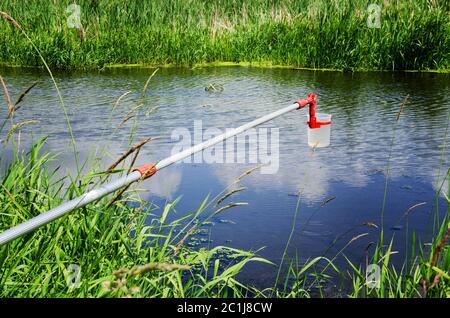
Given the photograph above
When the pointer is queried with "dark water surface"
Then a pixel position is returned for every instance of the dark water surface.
(352, 170)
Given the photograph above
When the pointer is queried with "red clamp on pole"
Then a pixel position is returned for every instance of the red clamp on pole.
(146, 170)
(311, 102)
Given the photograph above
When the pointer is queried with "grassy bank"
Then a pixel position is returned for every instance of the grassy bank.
(413, 35)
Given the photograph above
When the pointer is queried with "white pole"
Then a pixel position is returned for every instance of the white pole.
(211, 142)
(95, 194)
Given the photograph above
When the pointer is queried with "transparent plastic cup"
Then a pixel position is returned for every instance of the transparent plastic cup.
(320, 137)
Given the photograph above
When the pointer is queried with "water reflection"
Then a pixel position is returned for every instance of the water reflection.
(165, 185)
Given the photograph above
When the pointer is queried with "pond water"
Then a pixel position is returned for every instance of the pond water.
(341, 187)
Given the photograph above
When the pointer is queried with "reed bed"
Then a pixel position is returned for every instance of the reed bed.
(413, 35)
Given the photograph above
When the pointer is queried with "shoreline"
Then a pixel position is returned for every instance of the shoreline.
(261, 65)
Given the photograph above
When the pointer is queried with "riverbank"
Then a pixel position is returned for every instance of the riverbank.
(294, 34)
(223, 64)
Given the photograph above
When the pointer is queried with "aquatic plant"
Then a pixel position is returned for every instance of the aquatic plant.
(342, 34)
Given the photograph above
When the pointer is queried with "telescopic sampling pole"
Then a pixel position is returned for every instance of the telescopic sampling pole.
(146, 171)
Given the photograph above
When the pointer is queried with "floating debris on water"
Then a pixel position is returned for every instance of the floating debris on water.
(193, 243)
(374, 171)
(203, 232)
(214, 87)
(226, 221)
(326, 201)
(370, 224)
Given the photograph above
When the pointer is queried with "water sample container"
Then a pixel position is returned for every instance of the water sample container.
(320, 137)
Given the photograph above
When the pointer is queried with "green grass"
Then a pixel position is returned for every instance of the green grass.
(424, 274)
(414, 35)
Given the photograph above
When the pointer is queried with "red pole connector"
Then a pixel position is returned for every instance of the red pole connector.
(311, 102)
(147, 170)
